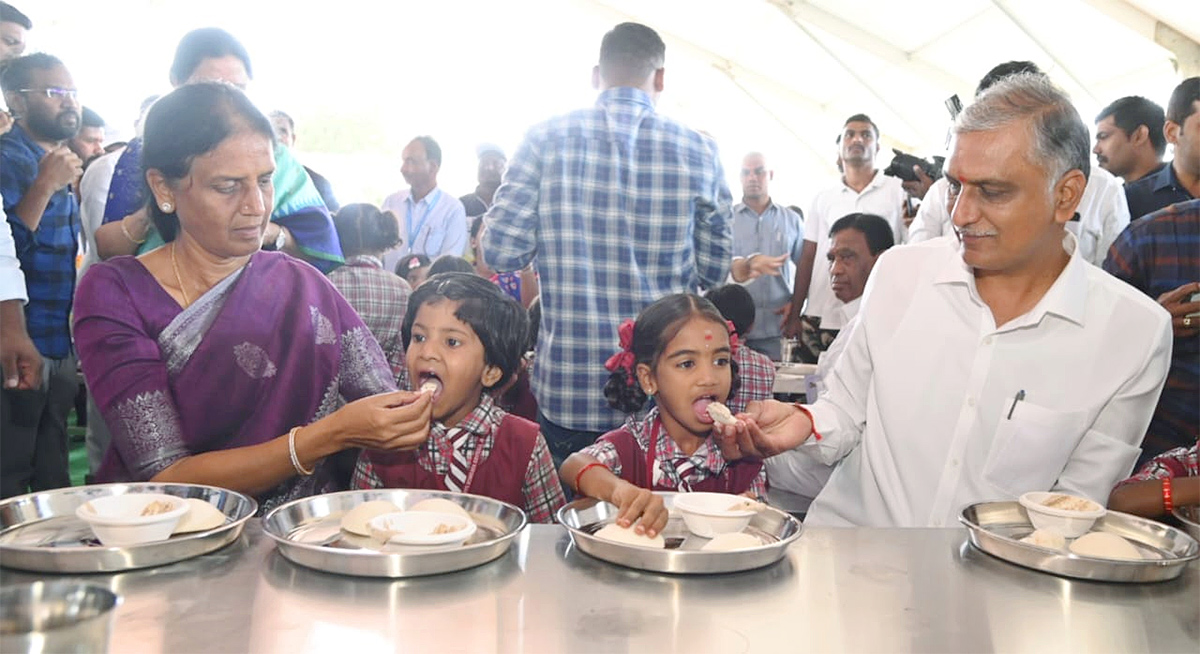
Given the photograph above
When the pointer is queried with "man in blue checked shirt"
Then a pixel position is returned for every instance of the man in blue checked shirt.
(619, 206)
(36, 173)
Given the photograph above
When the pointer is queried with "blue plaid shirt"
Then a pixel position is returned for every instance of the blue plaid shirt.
(47, 255)
(620, 207)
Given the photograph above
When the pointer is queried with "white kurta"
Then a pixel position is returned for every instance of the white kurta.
(919, 404)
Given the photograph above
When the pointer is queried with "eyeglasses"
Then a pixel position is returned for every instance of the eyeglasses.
(54, 93)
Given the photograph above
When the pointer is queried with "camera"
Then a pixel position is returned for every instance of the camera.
(902, 166)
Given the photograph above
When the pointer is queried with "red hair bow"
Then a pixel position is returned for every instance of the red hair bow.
(733, 339)
(624, 358)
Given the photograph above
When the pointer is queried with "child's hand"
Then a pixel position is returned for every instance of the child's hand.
(635, 502)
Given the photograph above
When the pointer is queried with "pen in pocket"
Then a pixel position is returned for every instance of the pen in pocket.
(1020, 396)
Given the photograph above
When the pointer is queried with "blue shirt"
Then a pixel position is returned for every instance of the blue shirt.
(47, 255)
(620, 206)
(777, 231)
(1155, 191)
(1157, 254)
(435, 225)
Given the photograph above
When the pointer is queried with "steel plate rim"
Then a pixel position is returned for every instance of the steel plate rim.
(289, 547)
(219, 537)
(583, 541)
(979, 536)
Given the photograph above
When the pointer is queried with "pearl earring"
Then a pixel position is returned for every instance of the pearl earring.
(166, 207)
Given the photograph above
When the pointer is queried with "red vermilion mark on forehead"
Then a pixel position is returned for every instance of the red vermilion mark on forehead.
(708, 336)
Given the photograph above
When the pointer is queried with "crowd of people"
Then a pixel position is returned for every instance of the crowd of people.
(1025, 321)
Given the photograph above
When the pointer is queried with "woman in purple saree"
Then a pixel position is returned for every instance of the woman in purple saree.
(248, 370)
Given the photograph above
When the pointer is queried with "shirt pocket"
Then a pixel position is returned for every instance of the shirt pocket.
(1031, 447)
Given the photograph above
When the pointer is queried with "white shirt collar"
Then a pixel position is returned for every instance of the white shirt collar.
(1066, 298)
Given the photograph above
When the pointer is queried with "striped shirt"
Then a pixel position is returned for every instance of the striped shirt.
(1159, 253)
(47, 255)
(620, 207)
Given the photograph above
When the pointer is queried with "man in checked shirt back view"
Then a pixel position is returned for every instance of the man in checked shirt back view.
(618, 206)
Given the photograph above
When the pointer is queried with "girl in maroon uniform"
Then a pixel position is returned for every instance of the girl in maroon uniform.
(680, 353)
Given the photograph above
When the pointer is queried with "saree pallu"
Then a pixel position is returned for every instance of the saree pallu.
(242, 365)
(298, 205)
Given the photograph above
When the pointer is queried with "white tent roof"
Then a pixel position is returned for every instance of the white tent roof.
(773, 75)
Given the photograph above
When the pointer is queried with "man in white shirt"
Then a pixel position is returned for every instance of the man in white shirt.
(863, 189)
(990, 364)
(1102, 215)
(432, 222)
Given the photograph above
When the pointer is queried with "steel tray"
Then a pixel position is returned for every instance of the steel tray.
(584, 517)
(39, 531)
(1189, 517)
(997, 527)
(308, 532)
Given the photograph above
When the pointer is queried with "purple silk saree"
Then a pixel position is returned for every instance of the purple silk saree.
(271, 347)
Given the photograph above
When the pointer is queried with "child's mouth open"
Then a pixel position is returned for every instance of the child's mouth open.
(428, 382)
(700, 408)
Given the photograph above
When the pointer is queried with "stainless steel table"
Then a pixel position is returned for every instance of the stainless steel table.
(856, 590)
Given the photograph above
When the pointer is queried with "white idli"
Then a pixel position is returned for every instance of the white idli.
(1046, 538)
(1104, 545)
(200, 516)
(732, 541)
(618, 534)
(355, 520)
(439, 505)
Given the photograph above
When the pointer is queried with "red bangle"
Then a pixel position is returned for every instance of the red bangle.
(1168, 504)
(579, 475)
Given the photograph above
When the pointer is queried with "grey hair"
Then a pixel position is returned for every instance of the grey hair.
(1061, 141)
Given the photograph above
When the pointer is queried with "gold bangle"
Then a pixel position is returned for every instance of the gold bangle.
(296, 459)
(130, 236)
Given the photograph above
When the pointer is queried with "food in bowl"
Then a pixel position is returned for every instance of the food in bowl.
(731, 542)
(1069, 503)
(355, 520)
(1067, 522)
(1105, 545)
(200, 516)
(132, 518)
(709, 514)
(627, 536)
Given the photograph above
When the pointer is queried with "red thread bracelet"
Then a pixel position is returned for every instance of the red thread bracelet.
(579, 475)
(816, 435)
(1168, 503)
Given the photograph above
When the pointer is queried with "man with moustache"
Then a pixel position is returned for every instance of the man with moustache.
(432, 222)
(973, 372)
(35, 180)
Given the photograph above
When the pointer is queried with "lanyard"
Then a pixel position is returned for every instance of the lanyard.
(430, 203)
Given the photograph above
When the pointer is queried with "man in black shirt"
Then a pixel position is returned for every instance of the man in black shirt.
(1179, 181)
